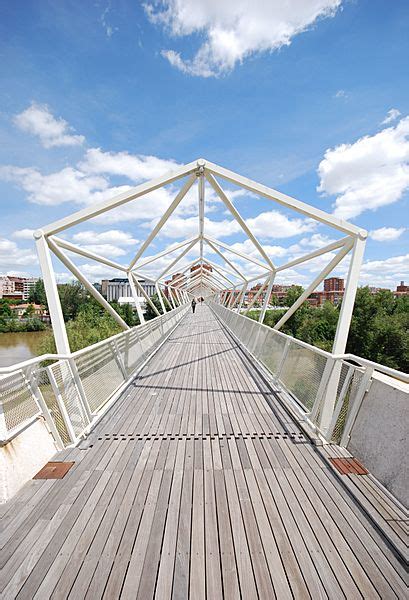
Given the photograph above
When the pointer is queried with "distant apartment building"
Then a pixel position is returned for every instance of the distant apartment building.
(16, 288)
(176, 281)
(204, 266)
(113, 289)
(334, 284)
(402, 289)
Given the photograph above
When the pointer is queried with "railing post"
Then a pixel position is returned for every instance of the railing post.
(339, 404)
(266, 299)
(61, 406)
(283, 357)
(81, 391)
(324, 393)
(356, 405)
(3, 426)
(118, 359)
(32, 380)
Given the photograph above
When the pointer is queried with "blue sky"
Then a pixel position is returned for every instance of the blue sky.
(311, 98)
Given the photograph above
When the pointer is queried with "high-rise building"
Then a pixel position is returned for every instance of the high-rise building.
(334, 284)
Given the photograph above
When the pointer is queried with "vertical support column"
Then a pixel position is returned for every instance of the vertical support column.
(266, 299)
(53, 299)
(341, 335)
(347, 306)
(201, 187)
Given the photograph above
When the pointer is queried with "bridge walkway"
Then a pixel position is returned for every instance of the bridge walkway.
(198, 484)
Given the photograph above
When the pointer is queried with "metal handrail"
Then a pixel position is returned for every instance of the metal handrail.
(401, 375)
(45, 357)
(26, 389)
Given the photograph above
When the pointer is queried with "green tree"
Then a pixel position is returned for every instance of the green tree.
(128, 314)
(295, 321)
(149, 312)
(37, 293)
(5, 310)
(34, 324)
(72, 297)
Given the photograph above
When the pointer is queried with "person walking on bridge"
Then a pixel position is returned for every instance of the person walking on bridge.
(193, 306)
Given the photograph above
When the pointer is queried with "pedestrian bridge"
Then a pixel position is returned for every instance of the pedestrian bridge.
(206, 455)
(199, 479)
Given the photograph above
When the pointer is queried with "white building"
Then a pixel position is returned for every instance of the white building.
(113, 289)
(16, 287)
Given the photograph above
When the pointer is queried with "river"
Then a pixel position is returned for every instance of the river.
(16, 347)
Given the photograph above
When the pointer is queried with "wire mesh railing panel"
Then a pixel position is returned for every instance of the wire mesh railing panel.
(69, 390)
(17, 400)
(302, 373)
(270, 350)
(100, 374)
(47, 392)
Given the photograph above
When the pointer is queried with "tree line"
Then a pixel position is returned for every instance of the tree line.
(379, 327)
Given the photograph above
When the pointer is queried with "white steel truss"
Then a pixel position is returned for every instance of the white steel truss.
(181, 280)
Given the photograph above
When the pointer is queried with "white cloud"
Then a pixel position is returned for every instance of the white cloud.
(273, 224)
(385, 273)
(306, 245)
(134, 167)
(247, 247)
(386, 234)
(67, 185)
(23, 234)
(234, 29)
(87, 183)
(38, 120)
(392, 115)
(369, 173)
(341, 94)
(12, 256)
(97, 271)
(111, 236)
(107, 250)
(109, 29)
(178, 227)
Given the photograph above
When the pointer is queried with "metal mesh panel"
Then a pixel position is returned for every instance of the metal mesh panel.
(302, 372)
(270, 350)
(17, 400)
(47, 392)
(100, 374)
(70, 395)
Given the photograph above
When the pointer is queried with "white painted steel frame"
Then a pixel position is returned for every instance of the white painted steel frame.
(219, 278)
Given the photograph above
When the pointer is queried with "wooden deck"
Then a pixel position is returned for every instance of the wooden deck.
(198, 484)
